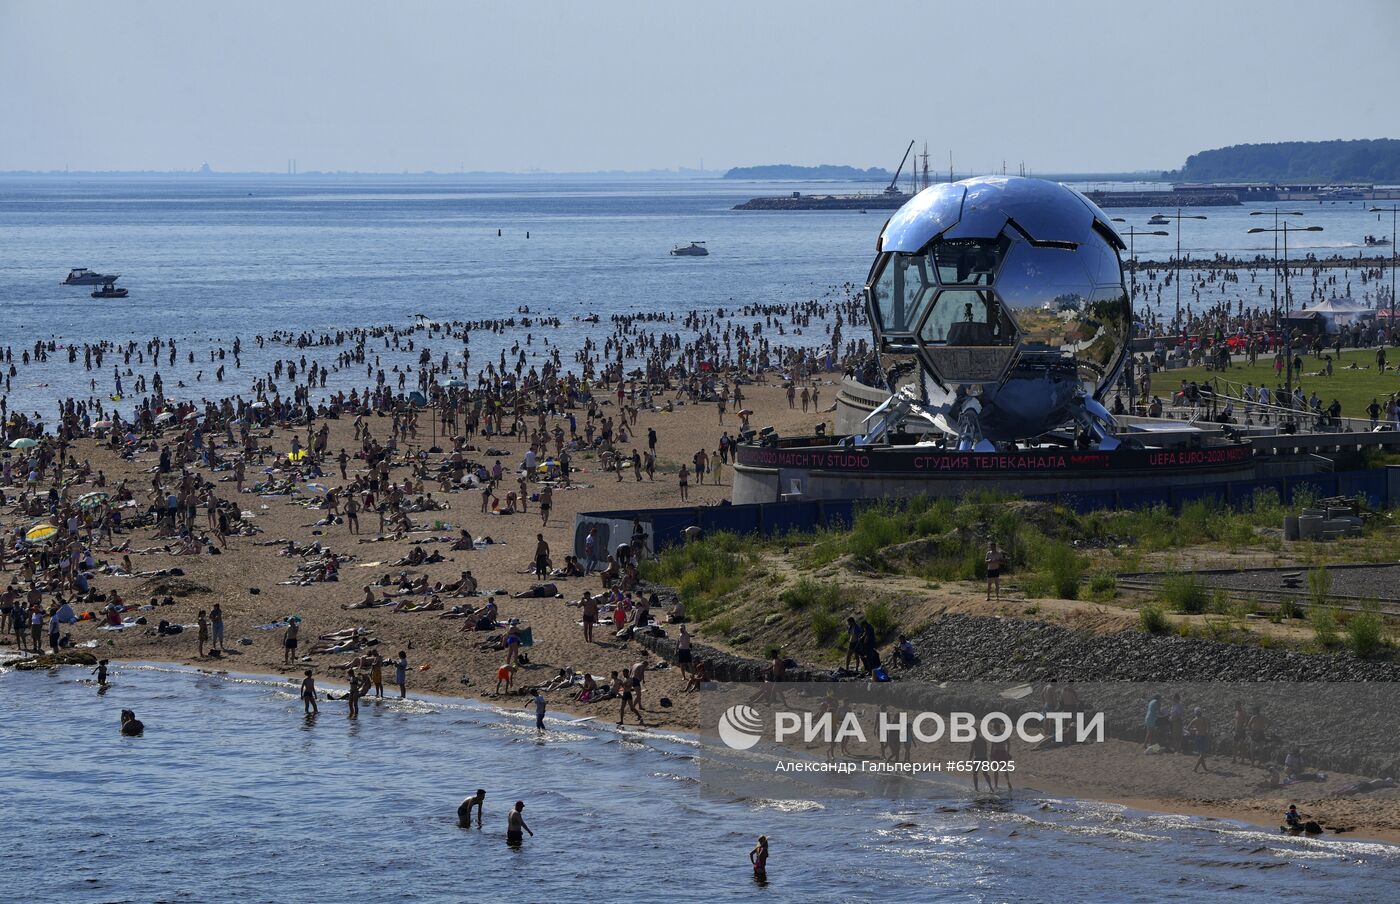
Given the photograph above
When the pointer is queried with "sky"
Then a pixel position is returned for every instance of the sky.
(1065, 86)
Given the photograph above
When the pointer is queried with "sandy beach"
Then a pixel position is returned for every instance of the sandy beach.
(250, 580)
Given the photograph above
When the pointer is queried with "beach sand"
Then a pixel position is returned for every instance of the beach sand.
(442, 658)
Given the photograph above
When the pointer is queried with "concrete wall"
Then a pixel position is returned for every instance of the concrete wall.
(788, 484)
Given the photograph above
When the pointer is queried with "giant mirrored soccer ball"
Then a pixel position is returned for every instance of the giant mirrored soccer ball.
(1003, 296)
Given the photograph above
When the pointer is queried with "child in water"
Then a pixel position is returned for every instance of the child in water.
(308, 694)
(101, 672)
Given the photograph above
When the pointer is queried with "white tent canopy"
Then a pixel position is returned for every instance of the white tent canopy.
(1336, 313)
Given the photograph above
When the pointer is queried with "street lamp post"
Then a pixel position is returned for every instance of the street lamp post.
(1179, 216)
(1390, 327)
(1285, 229)
(1277, 213)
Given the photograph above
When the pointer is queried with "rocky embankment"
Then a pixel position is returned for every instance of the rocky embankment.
(985, 648)
(1340, 711)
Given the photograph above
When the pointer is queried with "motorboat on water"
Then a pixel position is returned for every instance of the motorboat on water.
(1376, 241)
(694, 249)
(82, 276)
(1158, 220)
(109, 290)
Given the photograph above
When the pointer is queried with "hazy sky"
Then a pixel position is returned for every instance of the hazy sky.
(389, 86)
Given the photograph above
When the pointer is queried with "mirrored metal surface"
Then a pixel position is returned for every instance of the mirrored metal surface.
(1009, 336)
(926, 215)
(1046, 211)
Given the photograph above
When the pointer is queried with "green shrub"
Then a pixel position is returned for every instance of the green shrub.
(826, 626)
(1324, 624)
(1185, 593)
(1037, 584)
(1364, 631)
(1319, 586)
(1104, 585)
(801, 595)
(1153, 619)
(1061, 568)
(881, 617)
(875, 529)
(1287, 609)
(704, 572)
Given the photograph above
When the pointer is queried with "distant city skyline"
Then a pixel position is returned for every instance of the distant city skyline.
(1071, 87)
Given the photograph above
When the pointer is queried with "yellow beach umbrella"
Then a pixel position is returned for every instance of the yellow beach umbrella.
(40, 532)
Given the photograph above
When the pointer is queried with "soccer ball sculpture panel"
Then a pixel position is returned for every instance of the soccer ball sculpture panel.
(998, 306)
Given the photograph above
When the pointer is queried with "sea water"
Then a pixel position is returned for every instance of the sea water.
(208, 259)
(234, 795)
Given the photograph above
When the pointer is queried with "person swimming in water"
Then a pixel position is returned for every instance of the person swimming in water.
(132, 727)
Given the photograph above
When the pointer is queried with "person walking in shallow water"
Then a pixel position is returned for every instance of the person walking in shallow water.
(308, 694)
(515, 822)
(464, 809)
(353, 697)
(759, 858)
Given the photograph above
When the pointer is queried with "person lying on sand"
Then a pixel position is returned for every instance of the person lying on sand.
(433, 605)
(485, 619)
(344, 634)
(370, 601)
(571, 569)
(564, 678)
(537, 591)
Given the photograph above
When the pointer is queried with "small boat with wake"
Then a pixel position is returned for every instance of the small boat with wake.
(694, 249)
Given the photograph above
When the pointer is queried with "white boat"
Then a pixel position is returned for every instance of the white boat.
(82, 276)
(694, 249)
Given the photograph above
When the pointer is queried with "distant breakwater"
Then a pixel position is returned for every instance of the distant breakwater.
(1164, 199)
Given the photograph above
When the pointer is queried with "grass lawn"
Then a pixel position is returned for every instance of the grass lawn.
(1353, 388)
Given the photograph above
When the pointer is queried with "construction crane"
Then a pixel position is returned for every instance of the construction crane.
(891, 189)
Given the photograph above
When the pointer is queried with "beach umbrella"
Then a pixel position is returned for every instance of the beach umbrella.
(24, 443)
(40, 532)
(89, 501)
(164, 417)
(102, 425)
